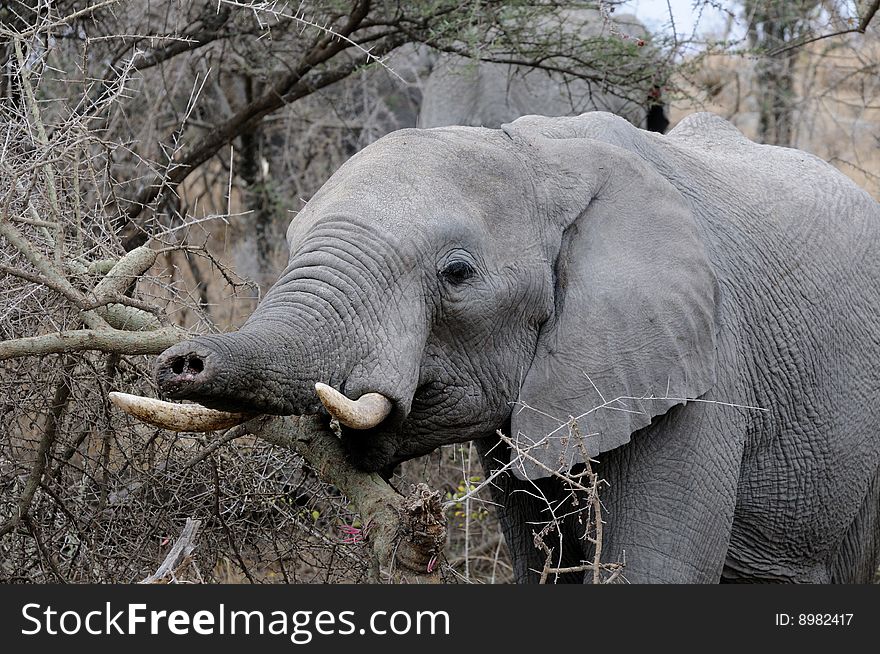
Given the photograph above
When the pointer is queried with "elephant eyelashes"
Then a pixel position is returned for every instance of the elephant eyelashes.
(457, 272)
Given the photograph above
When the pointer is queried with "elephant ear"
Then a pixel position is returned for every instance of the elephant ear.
(634, 327)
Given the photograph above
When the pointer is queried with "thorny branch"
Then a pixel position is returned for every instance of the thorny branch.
(43, 454)
(179, 556)
(406, 534)
(584, 486)
(861, 28)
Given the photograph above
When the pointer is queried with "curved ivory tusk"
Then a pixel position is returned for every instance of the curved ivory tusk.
(367, 411)
(176, 417)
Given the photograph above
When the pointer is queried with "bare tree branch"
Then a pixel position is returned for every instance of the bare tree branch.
(105, 340)
(406, 534)
(210, 31)
(294, 86)
(178, 556)
(41, 458)
(862, 27)
(868, 16)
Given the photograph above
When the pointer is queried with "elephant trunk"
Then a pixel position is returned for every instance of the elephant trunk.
(239, 372)
(236, 376)
(308, 347)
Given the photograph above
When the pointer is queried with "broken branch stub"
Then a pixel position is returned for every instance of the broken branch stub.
(406, 534)
(179, 555)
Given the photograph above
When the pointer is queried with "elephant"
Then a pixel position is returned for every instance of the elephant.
(694, 313)
(460, 91)
(432, 89)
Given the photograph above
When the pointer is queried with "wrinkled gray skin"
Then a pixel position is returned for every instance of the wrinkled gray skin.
(605, 262)
(461, 91)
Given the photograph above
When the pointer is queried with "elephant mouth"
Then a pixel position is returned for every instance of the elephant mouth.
(365, 413)
(374, 450)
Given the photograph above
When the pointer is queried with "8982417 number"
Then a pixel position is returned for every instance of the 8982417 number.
(824, 619)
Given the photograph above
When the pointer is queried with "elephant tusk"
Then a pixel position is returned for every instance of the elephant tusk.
(367, 411)
(176, 417)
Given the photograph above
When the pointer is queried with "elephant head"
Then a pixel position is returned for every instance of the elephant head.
(464, 280)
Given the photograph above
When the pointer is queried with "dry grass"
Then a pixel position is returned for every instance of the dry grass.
(837, 106)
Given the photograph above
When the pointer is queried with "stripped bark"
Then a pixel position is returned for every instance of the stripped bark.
(179, 555)
(106, 340)
(406, 534)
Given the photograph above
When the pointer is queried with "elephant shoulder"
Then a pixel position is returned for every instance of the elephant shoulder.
(707, 128)
(596, 125)
(700, 130)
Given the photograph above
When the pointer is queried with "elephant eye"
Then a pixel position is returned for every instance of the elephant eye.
(457, 272)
